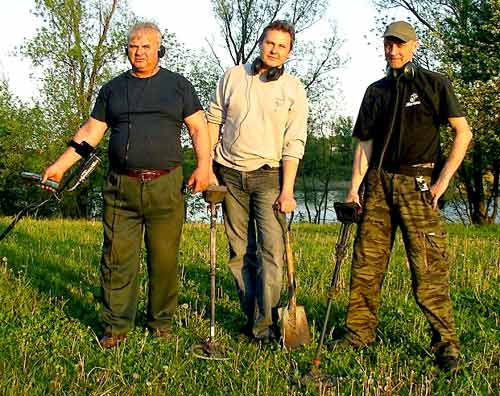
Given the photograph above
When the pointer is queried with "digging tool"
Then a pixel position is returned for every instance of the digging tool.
(294, 327)
(347, 214)
(210, 350)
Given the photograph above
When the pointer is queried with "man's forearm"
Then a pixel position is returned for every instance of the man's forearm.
(458, 149)
(213, 135)
(91, 132)
(201, 145)
(361, 161)
(290, 167)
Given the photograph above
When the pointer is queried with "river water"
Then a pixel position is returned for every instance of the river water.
(197, 209)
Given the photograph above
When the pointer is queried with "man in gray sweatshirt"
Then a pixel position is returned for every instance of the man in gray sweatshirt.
(258, 126)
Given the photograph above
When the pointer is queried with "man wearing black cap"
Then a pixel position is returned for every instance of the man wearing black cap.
(398, 148)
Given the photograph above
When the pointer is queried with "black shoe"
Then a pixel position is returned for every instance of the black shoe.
(447, 363)
(245, 332)
(266, 340)
(446, 356)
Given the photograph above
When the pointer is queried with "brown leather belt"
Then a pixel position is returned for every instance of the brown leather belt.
(148, 174)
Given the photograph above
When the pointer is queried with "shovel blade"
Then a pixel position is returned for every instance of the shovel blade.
(294, 327)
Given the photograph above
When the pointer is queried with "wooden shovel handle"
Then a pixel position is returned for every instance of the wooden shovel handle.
(289, 258)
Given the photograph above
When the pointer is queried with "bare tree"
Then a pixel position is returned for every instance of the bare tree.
(241, 22)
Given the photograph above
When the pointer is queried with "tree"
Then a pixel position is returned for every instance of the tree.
(241, 22)
(78, 48)
(22, 133)
(327, 162)
(463, 37)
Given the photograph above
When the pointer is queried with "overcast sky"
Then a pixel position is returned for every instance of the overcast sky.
(192, 22)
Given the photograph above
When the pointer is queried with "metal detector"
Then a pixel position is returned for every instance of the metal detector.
(347, 214)
(210, 350)
(81, 173)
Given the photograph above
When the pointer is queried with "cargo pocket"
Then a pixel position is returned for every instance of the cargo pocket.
(435, 251)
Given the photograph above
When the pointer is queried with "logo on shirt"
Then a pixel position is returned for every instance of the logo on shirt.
(413, 100)
(277, 103)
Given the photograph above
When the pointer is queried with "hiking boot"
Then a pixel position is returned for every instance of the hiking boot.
(164, 333)
(264, 340)
(245, 332)
(110, 340)
(446, 356)
(269, 336)
(344, 344)
(447, 364)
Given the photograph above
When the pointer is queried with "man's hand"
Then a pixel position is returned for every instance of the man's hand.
(53, 172)
(353, 196)
(437, 190)
(198, 181)
(286, 202)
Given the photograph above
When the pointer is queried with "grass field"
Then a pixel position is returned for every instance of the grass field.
(49, 322)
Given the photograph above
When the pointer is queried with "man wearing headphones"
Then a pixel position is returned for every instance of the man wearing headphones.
(144, 109)
(257, 122)
(397, 151)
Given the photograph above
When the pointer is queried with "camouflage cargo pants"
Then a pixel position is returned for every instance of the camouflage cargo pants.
(394, 200)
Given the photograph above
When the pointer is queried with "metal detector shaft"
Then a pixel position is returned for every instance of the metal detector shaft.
(340, 253)
(17, 217)
(23, 212)
(213, 233)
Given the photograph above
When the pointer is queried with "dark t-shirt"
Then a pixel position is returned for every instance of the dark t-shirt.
(145, 116)
(425, 103)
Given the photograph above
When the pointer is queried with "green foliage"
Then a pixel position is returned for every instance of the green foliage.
(23, 136)
(77, 49)
(327, 163)
(49, 276)
(463, 38)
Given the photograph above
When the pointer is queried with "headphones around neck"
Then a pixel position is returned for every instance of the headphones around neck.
(272, 74)
(161, 51)
(407, 72)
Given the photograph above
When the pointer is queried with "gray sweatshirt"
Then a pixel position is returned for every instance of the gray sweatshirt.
(262, 121)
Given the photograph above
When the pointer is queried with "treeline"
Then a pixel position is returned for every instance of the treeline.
(80, 45)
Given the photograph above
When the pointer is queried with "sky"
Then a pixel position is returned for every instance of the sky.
(192, 22)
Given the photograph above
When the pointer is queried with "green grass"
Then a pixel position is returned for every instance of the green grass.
(49, 322)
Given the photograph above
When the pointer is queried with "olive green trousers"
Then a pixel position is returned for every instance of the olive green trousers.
(135, 210)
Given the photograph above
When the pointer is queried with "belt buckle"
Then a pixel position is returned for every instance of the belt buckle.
(146, 175)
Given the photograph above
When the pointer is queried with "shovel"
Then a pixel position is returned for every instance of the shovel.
(294, 327)
(211, 350)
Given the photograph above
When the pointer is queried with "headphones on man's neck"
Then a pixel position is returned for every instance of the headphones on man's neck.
(272, 74)
(407, 72)
(161, 51)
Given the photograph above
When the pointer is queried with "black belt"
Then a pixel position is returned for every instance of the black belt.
(146, 174)
(410, 170)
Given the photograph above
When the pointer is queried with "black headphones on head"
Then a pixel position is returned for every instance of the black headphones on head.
(272, 74)
(407, 72)
(161, 51)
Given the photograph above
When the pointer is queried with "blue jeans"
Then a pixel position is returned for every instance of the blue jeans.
(256, 247)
